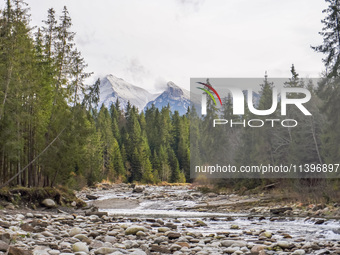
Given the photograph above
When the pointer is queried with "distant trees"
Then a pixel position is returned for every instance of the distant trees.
(329, 88)
(46, 107)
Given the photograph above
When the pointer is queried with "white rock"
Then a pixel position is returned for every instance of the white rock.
(19, 217)
(29, 215)
(138, 252)
(49, 203)
(299, 252)
(104, 250)
(41, 250)
(132, 230)
(234, 243)
(231, 249)
(80, 247)
(53, 252)
(75, 231)
(283, 244)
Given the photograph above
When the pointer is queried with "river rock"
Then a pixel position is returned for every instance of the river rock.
(163, 229)
(159, 248)
(83, 238)
(231, 249)
(3, 246)
(41, 250)
(319, 221)
(175, 247)
(257, 248)
(238, 243)
(91, 197)
(173, 235)
(80, 247)
(201, 223)
(284, 244)
(160, 239)
(17, 251)
(280, 210)
(75, 231)
(105, 250)
(20, 217)
(138, 189)
(47, 234)
(138, 252)
(110, 239)
(53, 252)
(234, 227)
(299, 252)
(171, 225)
(141, 233)
(183, 244)
(49, 203)
(130, 244)
(132, 230)
(5, 237)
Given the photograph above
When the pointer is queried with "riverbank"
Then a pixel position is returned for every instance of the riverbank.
(190, 198)
(123, 219)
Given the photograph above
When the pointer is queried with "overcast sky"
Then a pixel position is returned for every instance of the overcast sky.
(151, 42)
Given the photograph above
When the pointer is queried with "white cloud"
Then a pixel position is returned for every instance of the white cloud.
(147, 42)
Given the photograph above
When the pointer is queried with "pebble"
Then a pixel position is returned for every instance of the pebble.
(75, 231)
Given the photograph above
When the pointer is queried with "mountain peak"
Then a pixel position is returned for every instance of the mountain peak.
(175, 96)
(174, 90)
(112, 87)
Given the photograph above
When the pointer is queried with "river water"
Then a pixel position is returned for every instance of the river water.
(176, 197)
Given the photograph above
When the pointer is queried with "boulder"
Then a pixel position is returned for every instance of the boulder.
(49, 203)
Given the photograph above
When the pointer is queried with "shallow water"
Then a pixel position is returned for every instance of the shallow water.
(220, 222)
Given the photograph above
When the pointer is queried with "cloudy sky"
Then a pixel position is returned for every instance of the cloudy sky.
(151, 42)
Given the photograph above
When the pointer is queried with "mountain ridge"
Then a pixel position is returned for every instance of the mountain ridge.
(112, 88)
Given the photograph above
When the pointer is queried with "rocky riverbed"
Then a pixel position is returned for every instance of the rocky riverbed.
(122, 219)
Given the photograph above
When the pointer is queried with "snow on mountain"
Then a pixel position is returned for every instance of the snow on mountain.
(178, 98)
(112, 88)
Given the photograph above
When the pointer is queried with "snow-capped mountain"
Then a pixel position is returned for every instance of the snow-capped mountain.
(112, 88)
(178, 99)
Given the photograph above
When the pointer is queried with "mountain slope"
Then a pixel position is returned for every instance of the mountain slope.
(176, 97)
(112, 88)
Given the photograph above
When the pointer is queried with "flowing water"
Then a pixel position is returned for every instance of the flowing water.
(167, 208)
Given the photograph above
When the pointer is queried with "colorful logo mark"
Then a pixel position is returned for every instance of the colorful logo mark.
(209, 93)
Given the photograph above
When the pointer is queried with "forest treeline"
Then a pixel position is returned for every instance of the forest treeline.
(52, 131)
(46, 108)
